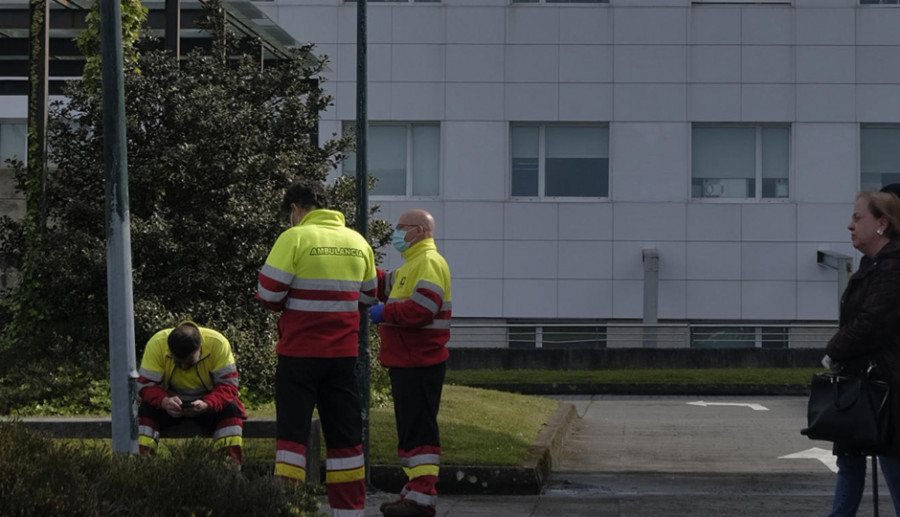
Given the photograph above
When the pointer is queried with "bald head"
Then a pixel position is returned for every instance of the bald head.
(418, 223)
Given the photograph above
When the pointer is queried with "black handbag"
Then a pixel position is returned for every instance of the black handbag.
(853, 411)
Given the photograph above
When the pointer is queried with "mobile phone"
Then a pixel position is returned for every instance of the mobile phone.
(187, 405)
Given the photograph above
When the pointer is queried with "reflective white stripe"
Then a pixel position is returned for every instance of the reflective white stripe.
(142, 385)
(419, 498)
(367, 300)
(438, 324)
(431, 286)
(446, 306)
(232, 430)
(230, 380)
(424, 301)
(291, 458)
(321, 305)
(150, 374)
(284, 277)
(270, 296)
(325, 284)
(354, 462)
(146, 430)
(369, 285)
(339, 512)
(388, 281)
(225, 370)
(421, 459)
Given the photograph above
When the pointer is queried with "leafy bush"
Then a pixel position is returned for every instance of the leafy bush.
(41, 476)
(213, 142)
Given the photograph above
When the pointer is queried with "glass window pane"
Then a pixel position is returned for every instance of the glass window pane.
(577, 162)
(525, 147)
(879, 156)
(12, 142)
(387, 159)
(723, 162)
(776, 158)
(426, 142)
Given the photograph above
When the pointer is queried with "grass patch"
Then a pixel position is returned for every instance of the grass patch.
(478, 427)
(771, 376)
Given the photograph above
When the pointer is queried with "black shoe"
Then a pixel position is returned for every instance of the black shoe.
(388, 503)
(405, 508)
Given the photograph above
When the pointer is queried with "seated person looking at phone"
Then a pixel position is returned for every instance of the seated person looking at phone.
(189, 372)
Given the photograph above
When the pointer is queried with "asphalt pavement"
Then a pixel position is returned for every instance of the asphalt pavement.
(629, 456)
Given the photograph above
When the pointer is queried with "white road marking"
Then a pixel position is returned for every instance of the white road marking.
(754, 407)
(816, 453)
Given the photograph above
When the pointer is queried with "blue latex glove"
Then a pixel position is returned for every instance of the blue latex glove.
(375, 313)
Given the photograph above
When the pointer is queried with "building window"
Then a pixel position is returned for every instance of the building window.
(12, 142)
(882, 2)
(557, 336)
(560, 1)
(879, 146)
(396, 1)
(405, 158)
(739, 337)
(559, 160)
(740, 161)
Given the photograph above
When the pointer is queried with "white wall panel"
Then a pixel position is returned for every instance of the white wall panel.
(826, 26)
(530, 221)
(417, 63)
(475, 101)
(650, 63)
(586, 260)
(585, 63)
(473, 258)
(649, 221)
(769, 261)
(378, 23)
(769, 300)
(650, 162)
(776, 222)
(651, 102)
(808, 267)
(532, 101)
(715, 25)
(475, 161)
(585, 102)
(532, 26)
(473, 220)
(584, 298)
(714, 300)
(476, 25)
(672, 299)
(826, 103)
(767, 64)
(713, 261)
(628, 259)
(878, 65)
(767, 102)
(715, 63)
(587, 25)
(876, 25)
(714, 102)
(526, 260)
(378, 63)
(529, 299)
(657, 26)
(417, 101)
(309, 24)
(826, 162)
(420, 24)
(818, 222)
(479, 298)
(767, 26)
(532, 63)
(628, 299)
(713, 222)
(817, 301)
(585, 221)
(826, 64)
(877, 103)
(474, 63)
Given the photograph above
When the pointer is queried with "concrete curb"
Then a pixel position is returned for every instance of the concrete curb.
(649, 389)
(521, 480)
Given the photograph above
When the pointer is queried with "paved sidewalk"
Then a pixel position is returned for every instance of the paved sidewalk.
(631, 456)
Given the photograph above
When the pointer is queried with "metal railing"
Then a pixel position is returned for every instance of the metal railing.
(637, 335)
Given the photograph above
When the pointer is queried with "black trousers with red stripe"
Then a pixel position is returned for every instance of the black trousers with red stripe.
(417, 398)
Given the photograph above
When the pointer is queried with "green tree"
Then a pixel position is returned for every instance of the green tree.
(213, 141)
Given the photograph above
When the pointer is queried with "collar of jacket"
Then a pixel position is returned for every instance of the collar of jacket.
(419, 248)
(323, 216)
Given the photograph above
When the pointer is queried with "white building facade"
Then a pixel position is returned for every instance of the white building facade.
(554, 142)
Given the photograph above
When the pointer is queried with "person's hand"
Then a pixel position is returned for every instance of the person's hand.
(195, 408)
(829, 363)
(172, 406)
(375, 313)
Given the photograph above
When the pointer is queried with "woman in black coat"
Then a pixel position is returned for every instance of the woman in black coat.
(868, 337)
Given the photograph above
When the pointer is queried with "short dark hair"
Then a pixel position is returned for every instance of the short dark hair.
(893, 188)
(305, 193)
(184, 340)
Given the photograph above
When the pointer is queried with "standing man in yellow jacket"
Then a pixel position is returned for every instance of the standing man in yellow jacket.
(189, 372)
(317, 275)
(415, 328)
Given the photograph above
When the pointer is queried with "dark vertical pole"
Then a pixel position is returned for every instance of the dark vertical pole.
(363, 368)
(122, 373)
(173, 27)
(38, 55)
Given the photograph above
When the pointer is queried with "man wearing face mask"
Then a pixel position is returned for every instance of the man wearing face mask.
(189, 372)
(415, 328)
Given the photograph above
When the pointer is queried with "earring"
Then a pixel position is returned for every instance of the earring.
(879, 231)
